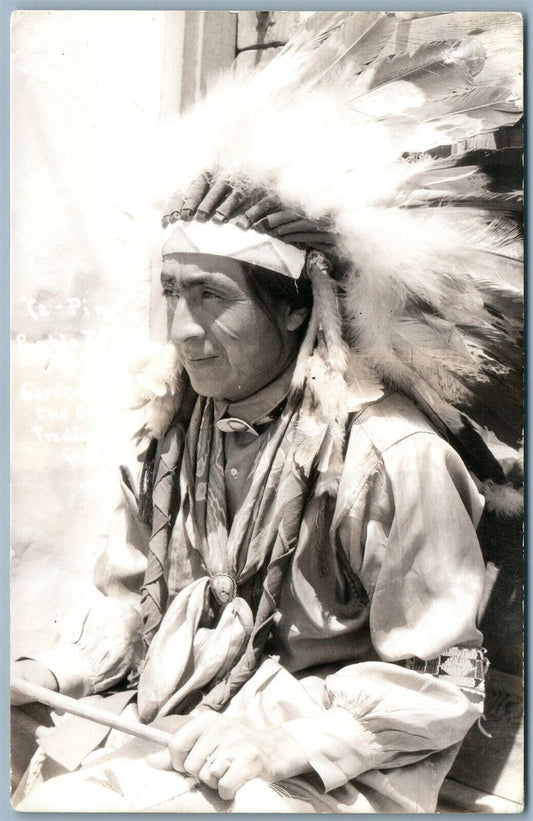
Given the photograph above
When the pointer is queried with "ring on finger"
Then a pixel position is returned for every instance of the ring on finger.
(217, 767)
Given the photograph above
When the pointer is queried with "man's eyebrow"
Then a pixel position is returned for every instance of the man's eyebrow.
(194, 280)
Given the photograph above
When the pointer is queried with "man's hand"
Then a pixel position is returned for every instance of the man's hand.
(225, 752)
(35, 673)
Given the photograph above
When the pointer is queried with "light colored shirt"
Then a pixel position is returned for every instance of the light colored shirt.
(404, 519)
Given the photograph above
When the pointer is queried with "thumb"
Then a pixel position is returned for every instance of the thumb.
(159, 760)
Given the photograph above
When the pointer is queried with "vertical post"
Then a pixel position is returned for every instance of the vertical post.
(198, 46)
(210, 39)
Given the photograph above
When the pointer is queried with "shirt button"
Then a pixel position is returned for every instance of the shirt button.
(234, 472)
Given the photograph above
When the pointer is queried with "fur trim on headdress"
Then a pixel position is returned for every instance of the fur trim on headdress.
(504, 500)
(155, 388)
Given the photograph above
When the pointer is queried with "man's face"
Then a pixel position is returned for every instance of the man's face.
(227, 344)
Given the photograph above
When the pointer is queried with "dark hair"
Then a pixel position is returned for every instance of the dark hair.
(271, 289)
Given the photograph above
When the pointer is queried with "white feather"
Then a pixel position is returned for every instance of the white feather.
(505, 500)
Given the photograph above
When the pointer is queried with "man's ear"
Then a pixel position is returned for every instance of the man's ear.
(295, 318)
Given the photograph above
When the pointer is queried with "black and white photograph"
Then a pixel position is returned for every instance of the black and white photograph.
(267, 428)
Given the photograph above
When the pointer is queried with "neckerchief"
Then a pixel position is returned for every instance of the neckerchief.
(209, 639)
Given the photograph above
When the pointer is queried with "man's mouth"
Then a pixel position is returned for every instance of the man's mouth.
(199, 358)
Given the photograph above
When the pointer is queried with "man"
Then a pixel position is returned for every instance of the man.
(301, 543)
(388, 571)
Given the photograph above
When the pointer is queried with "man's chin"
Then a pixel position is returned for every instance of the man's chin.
(209, 386)
(208, 390)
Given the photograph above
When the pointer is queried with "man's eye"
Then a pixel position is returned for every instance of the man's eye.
(207, 294)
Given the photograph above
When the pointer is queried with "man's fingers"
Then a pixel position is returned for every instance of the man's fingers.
(237, 775)
(161, 760)
(189, 733)
(206, 777)
(182, 743)
(219, 766)
(198, 755)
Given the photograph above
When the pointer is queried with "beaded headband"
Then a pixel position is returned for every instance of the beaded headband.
(226, 240)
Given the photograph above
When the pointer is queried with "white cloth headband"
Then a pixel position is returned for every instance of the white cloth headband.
(227, 240)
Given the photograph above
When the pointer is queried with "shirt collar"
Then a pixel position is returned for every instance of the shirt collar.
(259, 408)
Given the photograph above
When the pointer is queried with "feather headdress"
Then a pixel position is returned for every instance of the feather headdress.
(359, 152)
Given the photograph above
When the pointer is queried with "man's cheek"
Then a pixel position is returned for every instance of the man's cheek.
(228, 325)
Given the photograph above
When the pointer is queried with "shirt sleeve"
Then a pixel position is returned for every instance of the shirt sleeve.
(416, 552)
(100, 642)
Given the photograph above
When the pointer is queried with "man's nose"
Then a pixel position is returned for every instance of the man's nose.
(185, 325)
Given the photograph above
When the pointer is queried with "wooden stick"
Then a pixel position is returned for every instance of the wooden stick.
(71, 705)
(250, 794)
